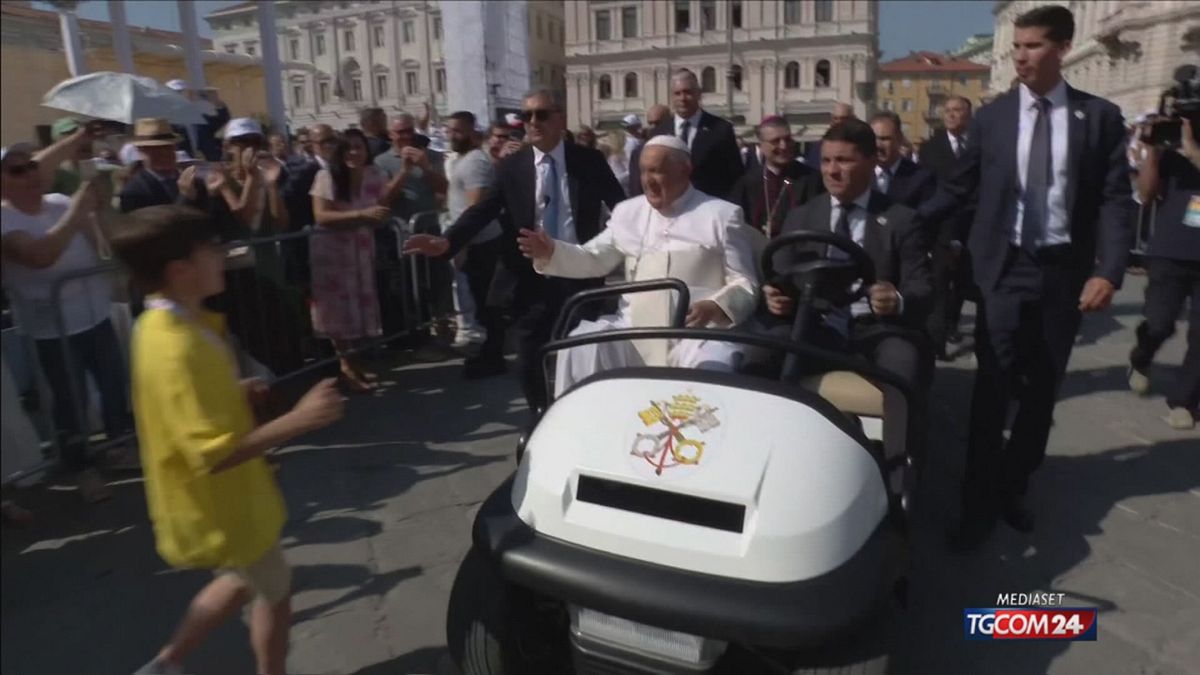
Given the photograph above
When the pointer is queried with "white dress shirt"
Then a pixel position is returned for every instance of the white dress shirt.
(1057, 226)
(565, 230)
(693, 125)
(957, 143)
(858, 229)
(884, 176)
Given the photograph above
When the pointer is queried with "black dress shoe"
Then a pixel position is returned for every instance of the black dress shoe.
(1018, 516)
(970, 534)
(943, 356)
(954, 337)
(477, 368)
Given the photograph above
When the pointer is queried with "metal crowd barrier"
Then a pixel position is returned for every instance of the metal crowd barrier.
(255, 336)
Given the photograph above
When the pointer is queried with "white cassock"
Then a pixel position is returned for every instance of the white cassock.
(701, 241)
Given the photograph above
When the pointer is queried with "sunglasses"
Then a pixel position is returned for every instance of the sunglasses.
(541, 115)
(22, 169)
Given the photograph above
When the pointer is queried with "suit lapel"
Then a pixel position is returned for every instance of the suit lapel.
(1076, 143)
(700, 143)
(874, 231)
(1010, 135)
(573, 171)
(527, 186)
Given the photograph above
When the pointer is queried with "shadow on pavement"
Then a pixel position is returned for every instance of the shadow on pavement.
(88, 580)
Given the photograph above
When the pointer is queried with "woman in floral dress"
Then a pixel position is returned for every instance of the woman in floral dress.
(347, 206)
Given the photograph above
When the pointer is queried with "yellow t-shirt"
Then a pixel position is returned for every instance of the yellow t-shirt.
(191, 414)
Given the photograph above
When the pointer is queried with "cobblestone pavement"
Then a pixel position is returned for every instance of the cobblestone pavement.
(381, 508)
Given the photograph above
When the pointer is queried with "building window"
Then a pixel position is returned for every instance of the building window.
(323, 92)
(603, 26)
(708, 80)
(906, 83)
(377, 33)
(294, 48)
(735, 76)
(410, 83)
(348, 40)
(381, 86)
(888, 104)
(821, 76)
(320, 44)
(906, 105)
(540, 32)
(737, 13)
(889, 87)
(791, 75)
(297, 95)
(823, 10)
(683, 16)
(605, 88)
(251, 49)
(708, 15)
(439, 77)
(231, 48)
(629, 22)
(356, 89)
(407, 27)
(631, 85)
(437, 28)
(791, 12)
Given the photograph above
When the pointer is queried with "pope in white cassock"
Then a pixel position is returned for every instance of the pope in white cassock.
(672, 230)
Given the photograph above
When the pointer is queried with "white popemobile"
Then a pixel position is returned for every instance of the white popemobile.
(687, 521)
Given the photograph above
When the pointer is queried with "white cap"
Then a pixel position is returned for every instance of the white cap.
(242, 126)
(177, 85)
(630, 121)
(512, 120)
(671, 142)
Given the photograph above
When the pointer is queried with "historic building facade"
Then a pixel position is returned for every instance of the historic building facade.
(386, 54)
(790, 57)
(915, 88)
(1124, 50)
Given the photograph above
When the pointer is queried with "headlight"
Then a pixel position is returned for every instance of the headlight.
(660, 643)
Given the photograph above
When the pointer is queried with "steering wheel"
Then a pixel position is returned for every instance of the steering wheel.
(806, 270)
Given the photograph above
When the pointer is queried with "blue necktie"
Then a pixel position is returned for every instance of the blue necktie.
(553, 199)
(1039, 175)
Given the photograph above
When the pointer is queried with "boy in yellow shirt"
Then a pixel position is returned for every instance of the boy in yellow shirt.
(211, 495)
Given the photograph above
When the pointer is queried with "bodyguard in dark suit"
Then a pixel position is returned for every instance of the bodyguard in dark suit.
(951, 261)
(768, 193)
(549, 184)
(716, 161)
(899, 178)
(1047, 171)
(879, 327)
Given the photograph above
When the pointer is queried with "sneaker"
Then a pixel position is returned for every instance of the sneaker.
(469, 336)
(157, 667)
(1139, 382)
(1181, 418)
(92, 486)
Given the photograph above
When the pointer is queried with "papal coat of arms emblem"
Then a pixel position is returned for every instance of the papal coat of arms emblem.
(668, 445)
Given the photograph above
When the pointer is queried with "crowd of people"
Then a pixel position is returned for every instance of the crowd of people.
(1023, 208)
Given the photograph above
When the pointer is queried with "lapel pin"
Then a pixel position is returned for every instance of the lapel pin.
(882, 220)
(1079, 114)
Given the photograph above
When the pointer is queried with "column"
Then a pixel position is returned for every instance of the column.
(122, 45)
(191, 44)
(68, 25)
(338, 86)
(771, 87)
(316, 74)
(372, 95)
(397, 61)
(272, 76)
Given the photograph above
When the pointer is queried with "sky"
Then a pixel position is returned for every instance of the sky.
(905, 25)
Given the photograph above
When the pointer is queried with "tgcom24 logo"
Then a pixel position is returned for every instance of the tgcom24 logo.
(1030, 616)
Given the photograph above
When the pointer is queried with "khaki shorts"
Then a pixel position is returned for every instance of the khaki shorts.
(269, 577)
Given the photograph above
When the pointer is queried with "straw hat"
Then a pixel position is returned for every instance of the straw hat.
(153, 131)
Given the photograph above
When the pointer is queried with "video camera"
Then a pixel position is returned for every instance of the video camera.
(1176, 103)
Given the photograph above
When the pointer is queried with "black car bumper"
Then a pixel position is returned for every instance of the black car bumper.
(783, 615)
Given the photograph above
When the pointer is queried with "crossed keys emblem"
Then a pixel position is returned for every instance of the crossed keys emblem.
(669, 447)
